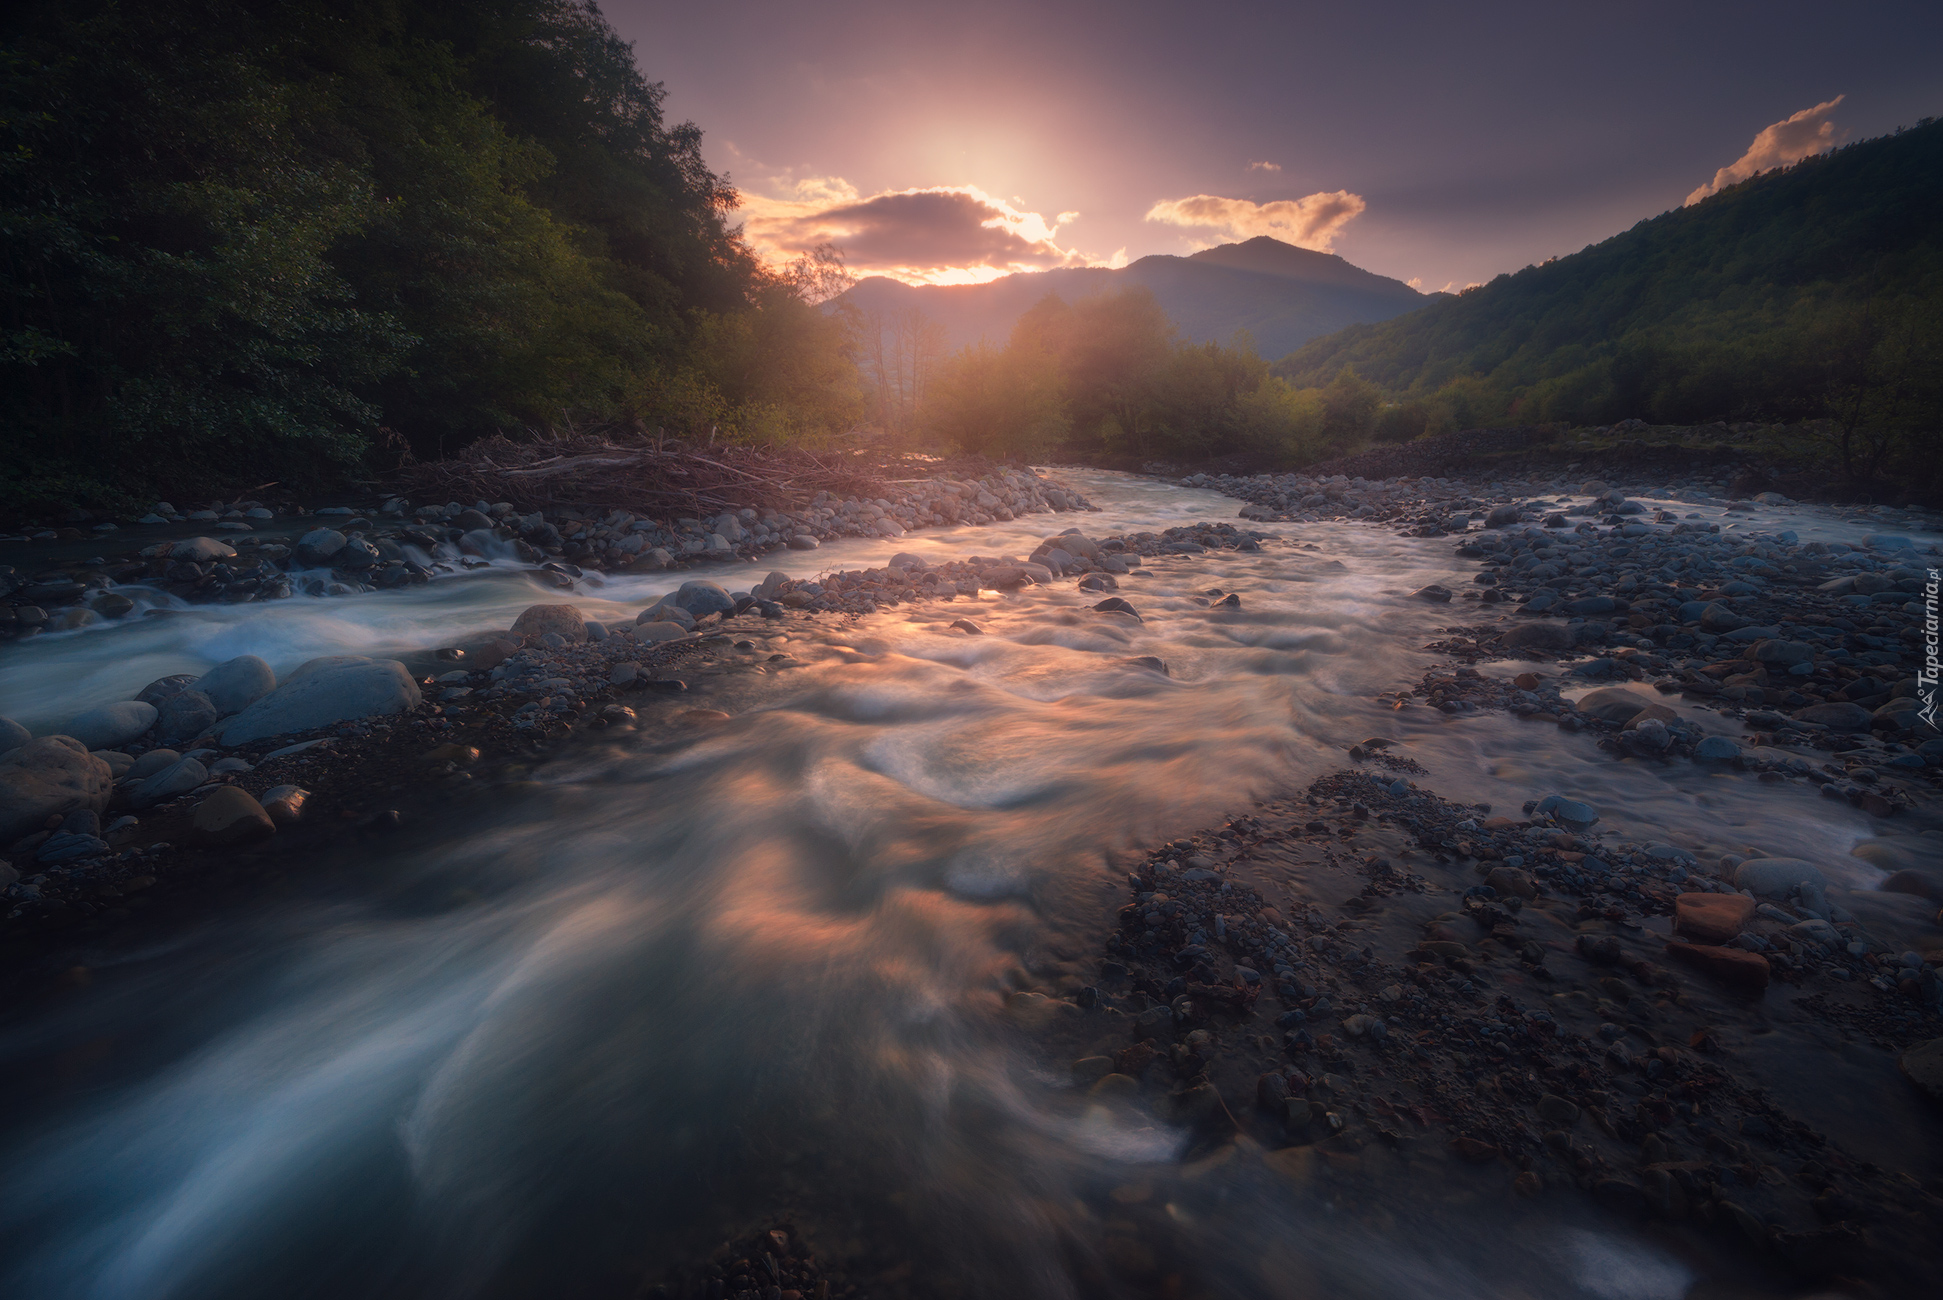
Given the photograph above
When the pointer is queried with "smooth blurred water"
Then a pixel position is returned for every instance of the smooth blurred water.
(685, 979)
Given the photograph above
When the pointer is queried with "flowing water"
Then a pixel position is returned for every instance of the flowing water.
(671, 984)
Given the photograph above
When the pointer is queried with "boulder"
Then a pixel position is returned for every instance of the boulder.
(13, 735)
(564, 621)
(1502, 517)
(1782, 654)
(659, 631)
(1745, 971)
(1711, 918)
(700, 598)
(163, 687)
(151, 763)
(48, 777)
(185, 716)
(1778, 877)
(179, 777)
(1841, 716)
(235, 684)
(1613, 705)
(319, 698)
(200, 550)
(1540, 636)
(1511, 880)
(317, 548)
(1923, 1066)
(1717, 749)
(1716, 617)
(228, 817)
(1573, 814)
(1434, 593)
(111, 725)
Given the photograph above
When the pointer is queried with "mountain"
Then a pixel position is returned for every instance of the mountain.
(1282, 295)
(1767, 300)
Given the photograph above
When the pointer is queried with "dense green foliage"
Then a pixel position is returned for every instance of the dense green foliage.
(1107, 379)
(244, 240)
(1814, 293)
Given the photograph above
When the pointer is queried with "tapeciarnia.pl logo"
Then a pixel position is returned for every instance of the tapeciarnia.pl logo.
(1926, 676)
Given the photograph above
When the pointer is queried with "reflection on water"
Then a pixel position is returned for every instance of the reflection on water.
(679, 983)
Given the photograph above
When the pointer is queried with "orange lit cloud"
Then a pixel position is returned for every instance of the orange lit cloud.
(943, 235)
(1783, 144)
(1312, 222)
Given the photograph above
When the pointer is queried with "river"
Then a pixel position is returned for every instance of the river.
(672, 983)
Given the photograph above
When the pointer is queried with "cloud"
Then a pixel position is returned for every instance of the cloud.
(1787, 141)
(941, 235)
(1312, 222)
(1264, 167)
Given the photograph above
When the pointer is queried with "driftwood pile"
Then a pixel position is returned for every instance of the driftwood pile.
(657, 476)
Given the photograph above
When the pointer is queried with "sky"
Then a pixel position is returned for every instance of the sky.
(1435, 143)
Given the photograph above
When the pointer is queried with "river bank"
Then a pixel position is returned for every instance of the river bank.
(863, 904)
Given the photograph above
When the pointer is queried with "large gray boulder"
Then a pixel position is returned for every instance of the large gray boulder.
(1613, 705)
(112, 725)
(1838, 716)
(163, 687)
(235, 684)
(185, 716)
(702, 598)
(1778, 877)
(538, 620)
(13, 735)
(48, 777)
(318, 698)
(318, 547)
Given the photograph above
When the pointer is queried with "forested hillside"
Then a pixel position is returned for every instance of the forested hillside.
(1810, 293)
(244, 240)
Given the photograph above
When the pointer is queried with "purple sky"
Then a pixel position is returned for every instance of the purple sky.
(1431, 142)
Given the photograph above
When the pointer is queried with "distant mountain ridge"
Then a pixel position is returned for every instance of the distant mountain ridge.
(1282, 295)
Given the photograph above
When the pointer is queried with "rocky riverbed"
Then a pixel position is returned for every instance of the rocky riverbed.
(1531, 950)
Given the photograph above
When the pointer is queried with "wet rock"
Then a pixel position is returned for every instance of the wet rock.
(1717, 749)
(1573, 814)
(285, 803)
(163, 687)
(1718, 618)
(968, 627)
(1554, 637)
(185, 716)
(1512, 881)
(1711, 918)
(1840, 717)
(235, 684)
(654, 633)
(200, 550)
(151, 763)
(13, 735)
(1923, 884)
(53, 775)
(179, 777)
(1433, 592)
(1614, 705)
(319, 698)
(112, 605)
(111, 725)
(563, 621)
(1746, 971)
(802, 542)
(1600, 949)
(1116, 605)
(700, 598)
(1923, 1065)
(1557, 1110)
(317, 548)
(229, 817)
(1778, 877)
(1502, 517)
